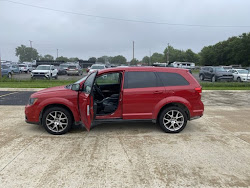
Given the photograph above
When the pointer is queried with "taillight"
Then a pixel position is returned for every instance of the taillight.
(199, 90)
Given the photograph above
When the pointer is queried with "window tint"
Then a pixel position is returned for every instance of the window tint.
(111, 78)
(140, 80)
(172, 79)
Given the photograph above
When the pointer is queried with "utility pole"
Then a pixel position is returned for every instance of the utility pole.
(57, 53)
(168, 55)
(133, 50)
(31, 50)
(149, 62)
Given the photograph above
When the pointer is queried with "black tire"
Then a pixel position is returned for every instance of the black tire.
(201, 77)
(56, 77)
(165, 119)
(47, 118)
(9, 75)
(213, 79)
(238, 79)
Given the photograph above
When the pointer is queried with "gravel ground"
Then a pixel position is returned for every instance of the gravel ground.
(213, 151)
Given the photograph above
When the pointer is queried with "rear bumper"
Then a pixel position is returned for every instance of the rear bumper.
(72, 72)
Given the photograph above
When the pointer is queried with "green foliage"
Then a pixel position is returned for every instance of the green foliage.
(119, 60)
(134, 61)
(46, 57)
(180, 55)
(146, 60)
(156, 57)
(61, 58)
(92, 59)
(26, 53)
(73, 59)
(104, 59)
(235, 50)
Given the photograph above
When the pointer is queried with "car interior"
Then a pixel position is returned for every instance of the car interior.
(106, 91)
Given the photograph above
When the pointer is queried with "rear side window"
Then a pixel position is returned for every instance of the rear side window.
(172, 79)
(140, 80)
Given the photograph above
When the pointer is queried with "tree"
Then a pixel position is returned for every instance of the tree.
(119, 60)
(92, 59)
(46, 57)
(26, 53)
(235, 50)
(134, 61)
(61, 58)
(73, 59)
(146, 60)
(156, 57)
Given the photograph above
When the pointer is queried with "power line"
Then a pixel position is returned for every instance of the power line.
(125, 20)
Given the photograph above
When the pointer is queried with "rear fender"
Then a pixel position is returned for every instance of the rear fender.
(169, 100)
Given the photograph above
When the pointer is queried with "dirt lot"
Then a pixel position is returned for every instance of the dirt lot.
(213, 151)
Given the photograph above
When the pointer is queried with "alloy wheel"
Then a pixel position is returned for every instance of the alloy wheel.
(173, 120)
(56, 121)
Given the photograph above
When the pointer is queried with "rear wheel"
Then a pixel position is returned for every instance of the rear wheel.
(57, 120)
(202, 77)
(173, 119)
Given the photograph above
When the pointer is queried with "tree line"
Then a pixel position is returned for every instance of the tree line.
(235, 50)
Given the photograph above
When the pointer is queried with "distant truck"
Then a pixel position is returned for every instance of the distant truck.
(185, 65)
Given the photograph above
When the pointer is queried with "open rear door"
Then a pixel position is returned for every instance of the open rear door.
(86, 101)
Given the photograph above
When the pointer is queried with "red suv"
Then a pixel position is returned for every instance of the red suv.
(169, 96)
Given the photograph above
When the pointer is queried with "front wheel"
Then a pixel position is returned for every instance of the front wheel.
(173, 120)
(57, 120)
(201, 77)
(9, 75)
(238, 79)
(213, 79)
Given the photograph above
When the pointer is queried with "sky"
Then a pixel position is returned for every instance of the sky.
(184, 24)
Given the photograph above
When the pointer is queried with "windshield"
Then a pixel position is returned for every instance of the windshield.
(79, 81)
(97, 67)
(5, 67)
(72, 67)
(43, 67)
(243, 71)
(219, 69)
(64, 66)
(22, 66)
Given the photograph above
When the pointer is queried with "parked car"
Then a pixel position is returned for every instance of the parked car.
(6, 71)
(74, 70)
(62, 69)
(167, 96)
(14, 69)
(241, 75)
(215, 74)
(27, 68)
(44, 71)
(96, 67)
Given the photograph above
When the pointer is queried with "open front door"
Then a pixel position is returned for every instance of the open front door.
(86, 101)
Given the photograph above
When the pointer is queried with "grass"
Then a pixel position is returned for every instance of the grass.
(225, 86)
(7, 83)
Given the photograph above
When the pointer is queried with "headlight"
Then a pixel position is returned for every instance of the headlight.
(32, 101)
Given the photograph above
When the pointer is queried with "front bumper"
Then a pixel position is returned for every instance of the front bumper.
(31, 114)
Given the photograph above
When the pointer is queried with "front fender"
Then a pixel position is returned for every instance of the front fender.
(61, 101)
(165, 101)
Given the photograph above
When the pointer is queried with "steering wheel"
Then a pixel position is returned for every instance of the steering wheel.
(98, 90)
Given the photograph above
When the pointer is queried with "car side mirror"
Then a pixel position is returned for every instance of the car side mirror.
(75, 87)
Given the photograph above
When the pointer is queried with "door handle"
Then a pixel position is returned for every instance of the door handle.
(158, 92)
